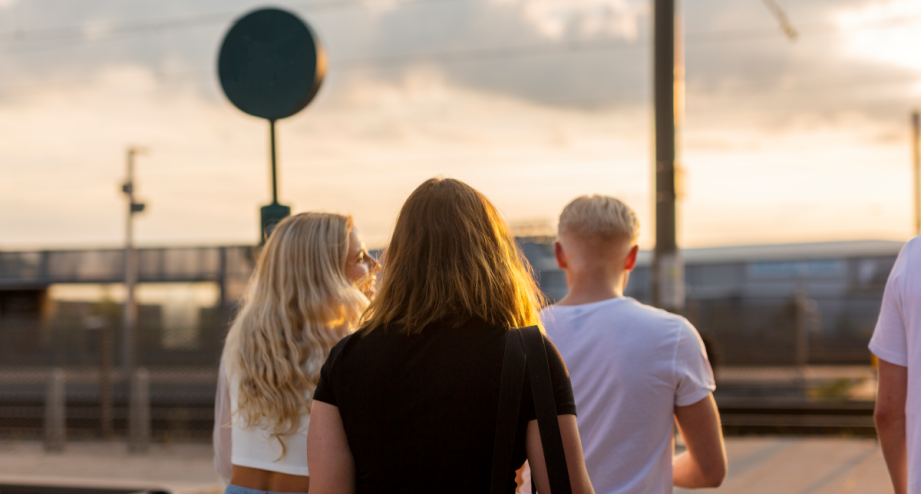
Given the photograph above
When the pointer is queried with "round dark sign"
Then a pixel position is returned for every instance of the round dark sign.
(271, 64)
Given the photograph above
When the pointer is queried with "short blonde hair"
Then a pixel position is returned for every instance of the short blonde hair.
(605, 217)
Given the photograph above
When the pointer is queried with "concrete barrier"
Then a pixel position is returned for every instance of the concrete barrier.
(139, 412)
(55, 411)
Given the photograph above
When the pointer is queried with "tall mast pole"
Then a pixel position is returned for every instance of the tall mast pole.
(668, 267)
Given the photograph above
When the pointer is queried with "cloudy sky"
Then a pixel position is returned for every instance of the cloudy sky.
(531, 101)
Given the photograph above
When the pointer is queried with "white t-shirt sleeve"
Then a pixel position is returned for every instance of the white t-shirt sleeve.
(223, 433)
(889, 341)
(693, 374)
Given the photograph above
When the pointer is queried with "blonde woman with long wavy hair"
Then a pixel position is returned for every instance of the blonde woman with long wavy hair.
(304, 296)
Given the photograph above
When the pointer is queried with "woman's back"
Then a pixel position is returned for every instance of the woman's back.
(409, 403)
(254, 445)
(420, 409)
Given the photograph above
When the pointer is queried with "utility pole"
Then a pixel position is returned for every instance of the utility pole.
(129, 313)
(668, 266)
(916, 155)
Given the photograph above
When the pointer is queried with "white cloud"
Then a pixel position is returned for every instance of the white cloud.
(365, 145)
(530, 132)
(360, 149)
(556, 18)
(886, 31)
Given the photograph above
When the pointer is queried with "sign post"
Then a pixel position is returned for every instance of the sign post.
(271, 66)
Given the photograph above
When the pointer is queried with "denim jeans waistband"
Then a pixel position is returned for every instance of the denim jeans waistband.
(236, 489)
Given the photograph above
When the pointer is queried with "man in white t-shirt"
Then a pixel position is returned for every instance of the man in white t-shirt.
(897, 343)
(634, 368)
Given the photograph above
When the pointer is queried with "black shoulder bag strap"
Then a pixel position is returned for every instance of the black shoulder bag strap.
(545, 406)
(510, 387)
(526, 346)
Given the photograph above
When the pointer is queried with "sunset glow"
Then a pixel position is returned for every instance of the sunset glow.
(782, 142)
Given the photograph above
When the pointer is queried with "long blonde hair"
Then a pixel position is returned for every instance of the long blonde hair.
(452, 256)
(299, 304)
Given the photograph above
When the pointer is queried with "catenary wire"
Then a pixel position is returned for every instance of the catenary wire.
(64, 37)
(156, 26)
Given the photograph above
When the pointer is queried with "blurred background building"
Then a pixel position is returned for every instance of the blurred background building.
(63, 309)
(756, 306)
(752, 302)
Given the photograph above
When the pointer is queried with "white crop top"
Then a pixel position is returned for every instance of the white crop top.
(236, 443)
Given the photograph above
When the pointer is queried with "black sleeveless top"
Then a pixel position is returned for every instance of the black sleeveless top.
(419, 410)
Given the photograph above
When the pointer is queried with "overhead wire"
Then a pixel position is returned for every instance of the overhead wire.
(87, 34)
(785, 25)
(808, 30)
(576, 46)
(63, 37)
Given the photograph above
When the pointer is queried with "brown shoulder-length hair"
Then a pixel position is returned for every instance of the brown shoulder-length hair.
(452, 256)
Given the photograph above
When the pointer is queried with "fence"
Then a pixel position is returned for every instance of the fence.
(60, 332)
(60, 342)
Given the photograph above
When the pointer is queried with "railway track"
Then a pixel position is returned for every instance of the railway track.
(169, 421)
(172, 422)
(797, 417)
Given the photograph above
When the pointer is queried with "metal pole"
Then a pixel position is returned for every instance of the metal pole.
(668, 268)
(273, 213)
(916, 155)
(274, 169)
(129, 314)
(129, 317)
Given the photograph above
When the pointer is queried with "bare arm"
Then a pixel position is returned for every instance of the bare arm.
(223, 432)
(572, 446)
(332, 467)
(890, 421)
(704, 463)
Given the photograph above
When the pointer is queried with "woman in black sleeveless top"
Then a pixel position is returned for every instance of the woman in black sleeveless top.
(409, 403)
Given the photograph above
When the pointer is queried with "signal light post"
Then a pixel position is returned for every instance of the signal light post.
(129, 314)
